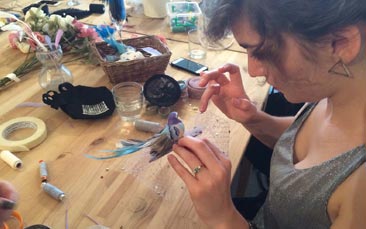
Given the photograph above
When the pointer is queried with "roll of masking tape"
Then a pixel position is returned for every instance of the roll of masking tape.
(21, 123)
(10, 159)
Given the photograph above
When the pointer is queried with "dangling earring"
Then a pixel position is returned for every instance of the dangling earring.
(340, 68)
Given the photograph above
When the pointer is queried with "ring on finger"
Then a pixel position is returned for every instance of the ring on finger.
(196, 170)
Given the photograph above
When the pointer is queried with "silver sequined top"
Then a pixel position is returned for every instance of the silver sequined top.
(298, 198)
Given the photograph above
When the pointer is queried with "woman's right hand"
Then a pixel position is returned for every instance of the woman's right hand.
(227, 93)
(209, 186)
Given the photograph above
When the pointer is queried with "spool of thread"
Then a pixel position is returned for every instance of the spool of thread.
(148, 126)
(53, 191)
(184, 89)
(43, 171)
(10, 159)
(96, 8)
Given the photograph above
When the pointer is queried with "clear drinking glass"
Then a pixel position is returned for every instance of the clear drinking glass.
(203, 22)
(196, 50)
(129, 100)
(53, 72)
(220, 44)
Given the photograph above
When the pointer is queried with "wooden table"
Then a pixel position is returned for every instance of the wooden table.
(104, 190)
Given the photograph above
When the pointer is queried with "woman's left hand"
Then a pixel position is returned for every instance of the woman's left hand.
(210, 186)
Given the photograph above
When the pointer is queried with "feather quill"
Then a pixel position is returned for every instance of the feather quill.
(59, 34)
(159, 144)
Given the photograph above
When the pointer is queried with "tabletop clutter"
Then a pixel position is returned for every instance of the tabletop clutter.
(142, 60)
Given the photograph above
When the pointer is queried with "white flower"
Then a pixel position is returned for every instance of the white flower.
(62, 24)
(34, 12)
(54, 17)
(58, 20)
(69, 20)
(45, 28)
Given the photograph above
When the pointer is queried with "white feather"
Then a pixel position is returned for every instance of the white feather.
(12, 27)
(7, 15)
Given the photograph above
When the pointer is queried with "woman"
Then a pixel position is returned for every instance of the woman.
(311, 51)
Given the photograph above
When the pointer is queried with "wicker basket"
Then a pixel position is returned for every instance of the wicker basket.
(135, 70)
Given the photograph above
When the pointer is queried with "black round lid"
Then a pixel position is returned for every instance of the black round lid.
(37, 226)
(162, 90)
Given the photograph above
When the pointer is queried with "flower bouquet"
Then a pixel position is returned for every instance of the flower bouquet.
(41, 32)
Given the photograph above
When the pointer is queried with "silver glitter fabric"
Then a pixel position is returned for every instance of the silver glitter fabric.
(298, 198)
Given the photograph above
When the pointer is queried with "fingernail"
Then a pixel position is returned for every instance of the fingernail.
(6, 204)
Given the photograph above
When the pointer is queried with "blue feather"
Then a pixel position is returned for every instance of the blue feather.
(160, 144)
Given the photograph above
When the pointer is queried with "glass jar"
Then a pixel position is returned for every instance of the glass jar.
(53, 72)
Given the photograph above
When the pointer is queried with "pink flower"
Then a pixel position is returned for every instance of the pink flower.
(77, 24)
(13, 39)
(32, 43)
(162, 39)
(84, 31)
(88, 32)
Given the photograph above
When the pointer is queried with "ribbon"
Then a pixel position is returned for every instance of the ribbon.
(13, 77)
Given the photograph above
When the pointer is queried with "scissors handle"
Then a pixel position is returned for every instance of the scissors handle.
(18, 217)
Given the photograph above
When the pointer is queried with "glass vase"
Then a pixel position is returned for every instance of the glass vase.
(117, 14)
(53, 72)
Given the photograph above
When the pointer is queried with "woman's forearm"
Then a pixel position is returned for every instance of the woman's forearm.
(234, 220)
(267, 128)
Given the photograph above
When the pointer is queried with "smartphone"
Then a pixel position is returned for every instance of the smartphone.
(189, 66)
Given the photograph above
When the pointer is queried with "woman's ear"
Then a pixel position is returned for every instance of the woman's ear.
(347, 44)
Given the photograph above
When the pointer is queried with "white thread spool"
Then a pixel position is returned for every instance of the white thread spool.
(53, 191)
(10, 159)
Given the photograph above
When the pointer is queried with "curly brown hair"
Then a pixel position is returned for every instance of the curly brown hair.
(310, 21)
